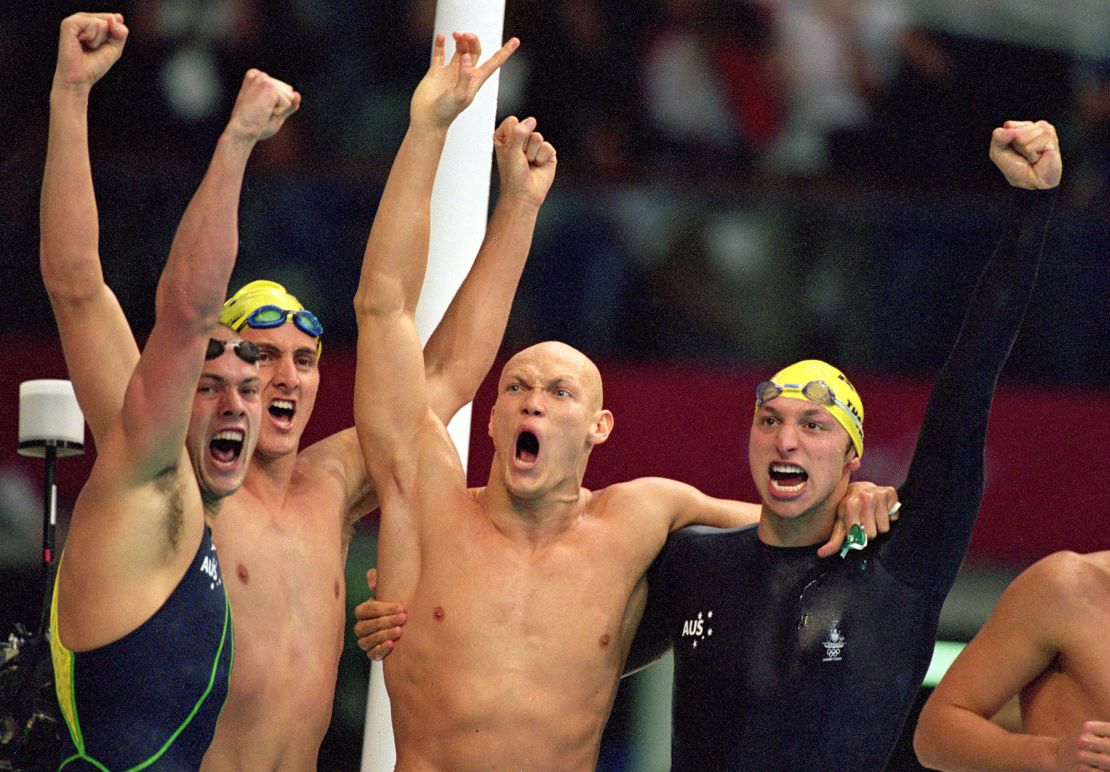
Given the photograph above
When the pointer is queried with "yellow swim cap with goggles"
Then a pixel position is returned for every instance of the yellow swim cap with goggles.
(821, 383)
(264, 304)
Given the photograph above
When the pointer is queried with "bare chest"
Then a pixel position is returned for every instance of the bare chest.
(284, 574)
(570, 602)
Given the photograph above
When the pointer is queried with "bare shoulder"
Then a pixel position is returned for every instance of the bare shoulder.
(642, 497)
(1070, 571)
(1067, 580)
(341, 448)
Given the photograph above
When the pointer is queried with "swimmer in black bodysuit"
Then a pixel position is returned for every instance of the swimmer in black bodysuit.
(784, 660)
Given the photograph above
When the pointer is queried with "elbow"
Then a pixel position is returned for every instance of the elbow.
(924, 744)
(378, 297)
(70, 286)
(174, 301)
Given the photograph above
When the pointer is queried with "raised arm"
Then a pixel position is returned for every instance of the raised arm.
(391, 393)
(1028, 630)
(193, 284)
(944, 485)
(462, 348)
(96, 338)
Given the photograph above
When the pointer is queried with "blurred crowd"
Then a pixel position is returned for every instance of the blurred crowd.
(716, 156)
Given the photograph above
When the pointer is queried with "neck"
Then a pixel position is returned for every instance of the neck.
(211, 507)
(534, 518)
(270, 476)
(812, 527)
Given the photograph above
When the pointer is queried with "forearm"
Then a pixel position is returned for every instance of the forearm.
(954, 738)
(944, 485)
(69, 229)
(204, 248)
(397, 250)
(462, 348)
(96, 339)
(1002, 293)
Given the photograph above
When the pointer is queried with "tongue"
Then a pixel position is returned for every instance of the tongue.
(224, 455)
(526, 456)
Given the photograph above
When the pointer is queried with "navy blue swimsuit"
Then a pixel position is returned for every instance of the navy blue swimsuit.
(787, 661)
(151, 699)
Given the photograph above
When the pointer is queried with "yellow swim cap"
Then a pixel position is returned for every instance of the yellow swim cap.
(240, 310)
(819, 382)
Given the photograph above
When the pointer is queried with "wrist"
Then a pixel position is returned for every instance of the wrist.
(234, 137)
(427, 128)
(518, 205)
(67, 91)
(234, 146)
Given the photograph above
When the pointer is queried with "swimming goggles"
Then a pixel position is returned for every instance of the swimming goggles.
(243, 349)
(815, 391)
(265, 317)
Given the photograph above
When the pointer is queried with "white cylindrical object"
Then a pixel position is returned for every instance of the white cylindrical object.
(460, 204)
(49, 416)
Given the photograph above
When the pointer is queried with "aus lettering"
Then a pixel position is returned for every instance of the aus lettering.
(211, 567)
(693, 627)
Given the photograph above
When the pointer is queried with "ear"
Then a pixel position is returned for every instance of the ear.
(854, 464)
(489, 426)
(603, 425)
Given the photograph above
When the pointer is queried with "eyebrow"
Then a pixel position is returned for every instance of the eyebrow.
(805, 414)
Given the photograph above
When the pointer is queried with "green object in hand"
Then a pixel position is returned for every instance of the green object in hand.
(857, 539)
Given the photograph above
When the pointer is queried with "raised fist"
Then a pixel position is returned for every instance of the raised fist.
(262, 106)
(88, 45)
(1028, 154)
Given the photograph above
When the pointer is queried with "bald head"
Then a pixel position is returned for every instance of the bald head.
(555, 359)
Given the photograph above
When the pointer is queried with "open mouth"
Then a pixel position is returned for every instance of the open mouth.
(282, 411)
(527, 449)
(787, 479)
(226, 446)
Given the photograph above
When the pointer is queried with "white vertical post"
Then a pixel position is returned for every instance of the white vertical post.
(460, 203)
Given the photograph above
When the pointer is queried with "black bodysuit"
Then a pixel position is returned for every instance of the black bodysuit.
(784, 660)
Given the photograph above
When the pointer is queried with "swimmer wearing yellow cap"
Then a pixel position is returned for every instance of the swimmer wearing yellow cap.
(806, 440)
(264, 304)
(820, 382)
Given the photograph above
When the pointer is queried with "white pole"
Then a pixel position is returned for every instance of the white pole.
(460, 203)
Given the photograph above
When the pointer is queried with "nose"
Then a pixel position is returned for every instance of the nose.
(232, 404)
(531, 405)
(786, 439)
(285, 373)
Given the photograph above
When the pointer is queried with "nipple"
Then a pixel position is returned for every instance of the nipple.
(603, 641)
(243, 574)
(439, 613)
(336, 589)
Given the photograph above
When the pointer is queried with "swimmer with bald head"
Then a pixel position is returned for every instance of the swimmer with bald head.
(522, 596)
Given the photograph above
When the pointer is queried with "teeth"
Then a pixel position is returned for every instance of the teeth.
(235, 435)
(787, 469)
(282, 404)
(787, 488)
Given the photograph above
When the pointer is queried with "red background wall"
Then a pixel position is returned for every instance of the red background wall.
(1046, 451)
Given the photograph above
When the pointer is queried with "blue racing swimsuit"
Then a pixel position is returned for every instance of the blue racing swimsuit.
(786, 661)
(151, 699)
